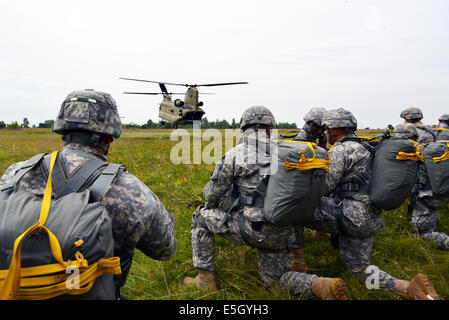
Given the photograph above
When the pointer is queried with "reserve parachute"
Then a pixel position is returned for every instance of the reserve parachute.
(63, 246)
(295, 188)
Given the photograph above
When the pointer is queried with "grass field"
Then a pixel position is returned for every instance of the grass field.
(146, 154)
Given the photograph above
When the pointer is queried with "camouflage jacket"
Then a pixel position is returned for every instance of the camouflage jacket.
(424, 133)
(139, 219)
(243, 168)
(443, 125)
(349, 159)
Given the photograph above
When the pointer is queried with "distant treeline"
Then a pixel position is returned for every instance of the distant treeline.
(26, 124)
(150, 124)
(206, 124)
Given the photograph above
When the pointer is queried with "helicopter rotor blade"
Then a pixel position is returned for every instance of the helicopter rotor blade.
(154, 93)
(159, 82)
(218, 84)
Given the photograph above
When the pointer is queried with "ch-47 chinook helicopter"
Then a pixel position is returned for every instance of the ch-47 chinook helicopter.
(179, 111)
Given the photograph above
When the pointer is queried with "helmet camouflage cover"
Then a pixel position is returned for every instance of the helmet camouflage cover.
(89, 110)
(444, 117)
(339, 118)
(406, 130)
(411, 113)
(316, 115)
(257, 115)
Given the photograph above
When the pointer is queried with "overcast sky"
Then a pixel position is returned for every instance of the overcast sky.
(374, 58)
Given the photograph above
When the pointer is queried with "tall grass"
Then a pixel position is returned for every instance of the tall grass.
(145, 153)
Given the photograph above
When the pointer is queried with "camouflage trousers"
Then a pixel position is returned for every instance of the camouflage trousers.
(354, 224)
(424, 219)
(273, 243)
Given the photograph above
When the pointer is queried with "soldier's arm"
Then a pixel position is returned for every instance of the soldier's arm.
(139, 219)
(336, 168)
(9, 173)
(220, 181)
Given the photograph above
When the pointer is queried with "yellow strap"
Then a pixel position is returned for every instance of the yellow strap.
(314, 164)
(308, 163)
(441, 129)
(415, 156)
(443, 157)
(12, 281)
(49, 286)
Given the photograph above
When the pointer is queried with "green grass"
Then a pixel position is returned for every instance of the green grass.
(146, 154)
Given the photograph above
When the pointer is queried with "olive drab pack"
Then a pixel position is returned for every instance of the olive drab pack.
(60, 247)
(436, 158)
(296, 187)
(394, 172)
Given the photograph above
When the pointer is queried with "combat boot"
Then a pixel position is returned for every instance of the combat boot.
(329, 288)
(298, 263)
(205, 280)
(420, 288)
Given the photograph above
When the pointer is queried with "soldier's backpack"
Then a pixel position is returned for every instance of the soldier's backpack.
(394, 172)
(390, 174)
(298, 183)
(61, 247)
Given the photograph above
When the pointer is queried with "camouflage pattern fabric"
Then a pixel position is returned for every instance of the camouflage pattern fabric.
(243, 166)
(339, 118)
(89, 110)
(352, 218)
(424, 133)
(257, 115)
(444, 117)
(139, 219)
(273, 243)
(426, 205)
(412, 113)
(316, 115)
(406, 131)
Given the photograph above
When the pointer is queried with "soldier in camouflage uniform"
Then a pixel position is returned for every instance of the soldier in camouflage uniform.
(444, 121)
(242, 169)
(347, 214)
(88, 121)
(424, 204)
(313, 130)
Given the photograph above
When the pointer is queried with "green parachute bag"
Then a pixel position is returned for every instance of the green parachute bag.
(67, 250)
(394, 172)
(297, 185)
(436, 158)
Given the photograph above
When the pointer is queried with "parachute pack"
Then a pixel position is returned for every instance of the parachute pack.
(394, 172)
(436, 158)
(295, 189)
(60, 247)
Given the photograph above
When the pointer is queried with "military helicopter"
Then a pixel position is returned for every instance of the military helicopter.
(180, 111)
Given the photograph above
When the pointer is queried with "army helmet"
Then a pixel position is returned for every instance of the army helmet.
(411, 113)
(406, 130)
(444, 117)
(257, 115)
(339, 118)
(316, 115)
(89, 110)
